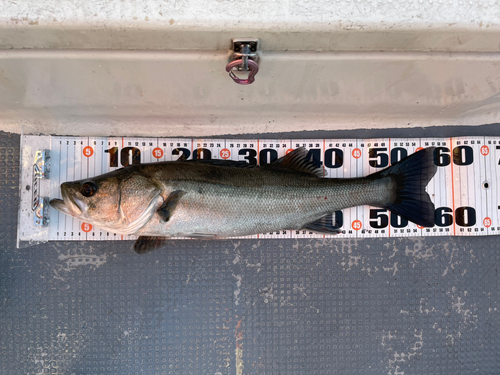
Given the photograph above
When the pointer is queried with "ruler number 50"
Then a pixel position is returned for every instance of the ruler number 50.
(378, 157)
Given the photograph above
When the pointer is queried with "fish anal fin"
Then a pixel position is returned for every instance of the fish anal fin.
(326, 225)
(299, 160)
(201, 236)
(145, 245)
(168, 207)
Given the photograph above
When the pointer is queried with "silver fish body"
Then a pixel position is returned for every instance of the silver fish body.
(228, 199)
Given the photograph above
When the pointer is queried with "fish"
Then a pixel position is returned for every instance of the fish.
(223, 198)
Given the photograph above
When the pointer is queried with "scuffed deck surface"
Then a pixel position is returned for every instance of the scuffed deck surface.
(389, 306)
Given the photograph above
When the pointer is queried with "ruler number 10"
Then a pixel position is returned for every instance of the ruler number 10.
(128, 156)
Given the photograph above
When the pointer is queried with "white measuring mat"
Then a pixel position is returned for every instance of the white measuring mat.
(464, 189)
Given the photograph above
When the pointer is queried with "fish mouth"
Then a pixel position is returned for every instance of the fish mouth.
(68, 205)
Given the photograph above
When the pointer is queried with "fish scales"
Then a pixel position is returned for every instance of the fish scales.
(226, 201)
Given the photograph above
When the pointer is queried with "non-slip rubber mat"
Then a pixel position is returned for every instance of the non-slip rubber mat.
(264, 306)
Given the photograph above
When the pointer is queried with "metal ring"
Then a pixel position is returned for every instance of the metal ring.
(253, 70)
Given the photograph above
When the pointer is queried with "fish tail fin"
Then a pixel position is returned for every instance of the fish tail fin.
(411, 176)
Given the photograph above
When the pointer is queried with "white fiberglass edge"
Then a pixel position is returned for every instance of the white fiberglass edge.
(144, 93)
(340, 25)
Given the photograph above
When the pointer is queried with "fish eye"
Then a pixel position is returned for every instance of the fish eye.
(88, 189)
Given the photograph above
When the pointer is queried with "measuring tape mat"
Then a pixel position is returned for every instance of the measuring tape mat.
(464, 189)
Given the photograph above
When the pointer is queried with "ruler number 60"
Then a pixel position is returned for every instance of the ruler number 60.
(462, 155)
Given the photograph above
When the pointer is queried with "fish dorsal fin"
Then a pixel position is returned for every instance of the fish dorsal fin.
(297, 161)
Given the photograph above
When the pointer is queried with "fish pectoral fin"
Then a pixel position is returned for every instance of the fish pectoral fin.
(168, 207)
(326, 225)
(145, 245)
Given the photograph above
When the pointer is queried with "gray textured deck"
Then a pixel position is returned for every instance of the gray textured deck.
(374, 306)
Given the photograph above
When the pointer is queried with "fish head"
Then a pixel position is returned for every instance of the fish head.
(117, 202)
